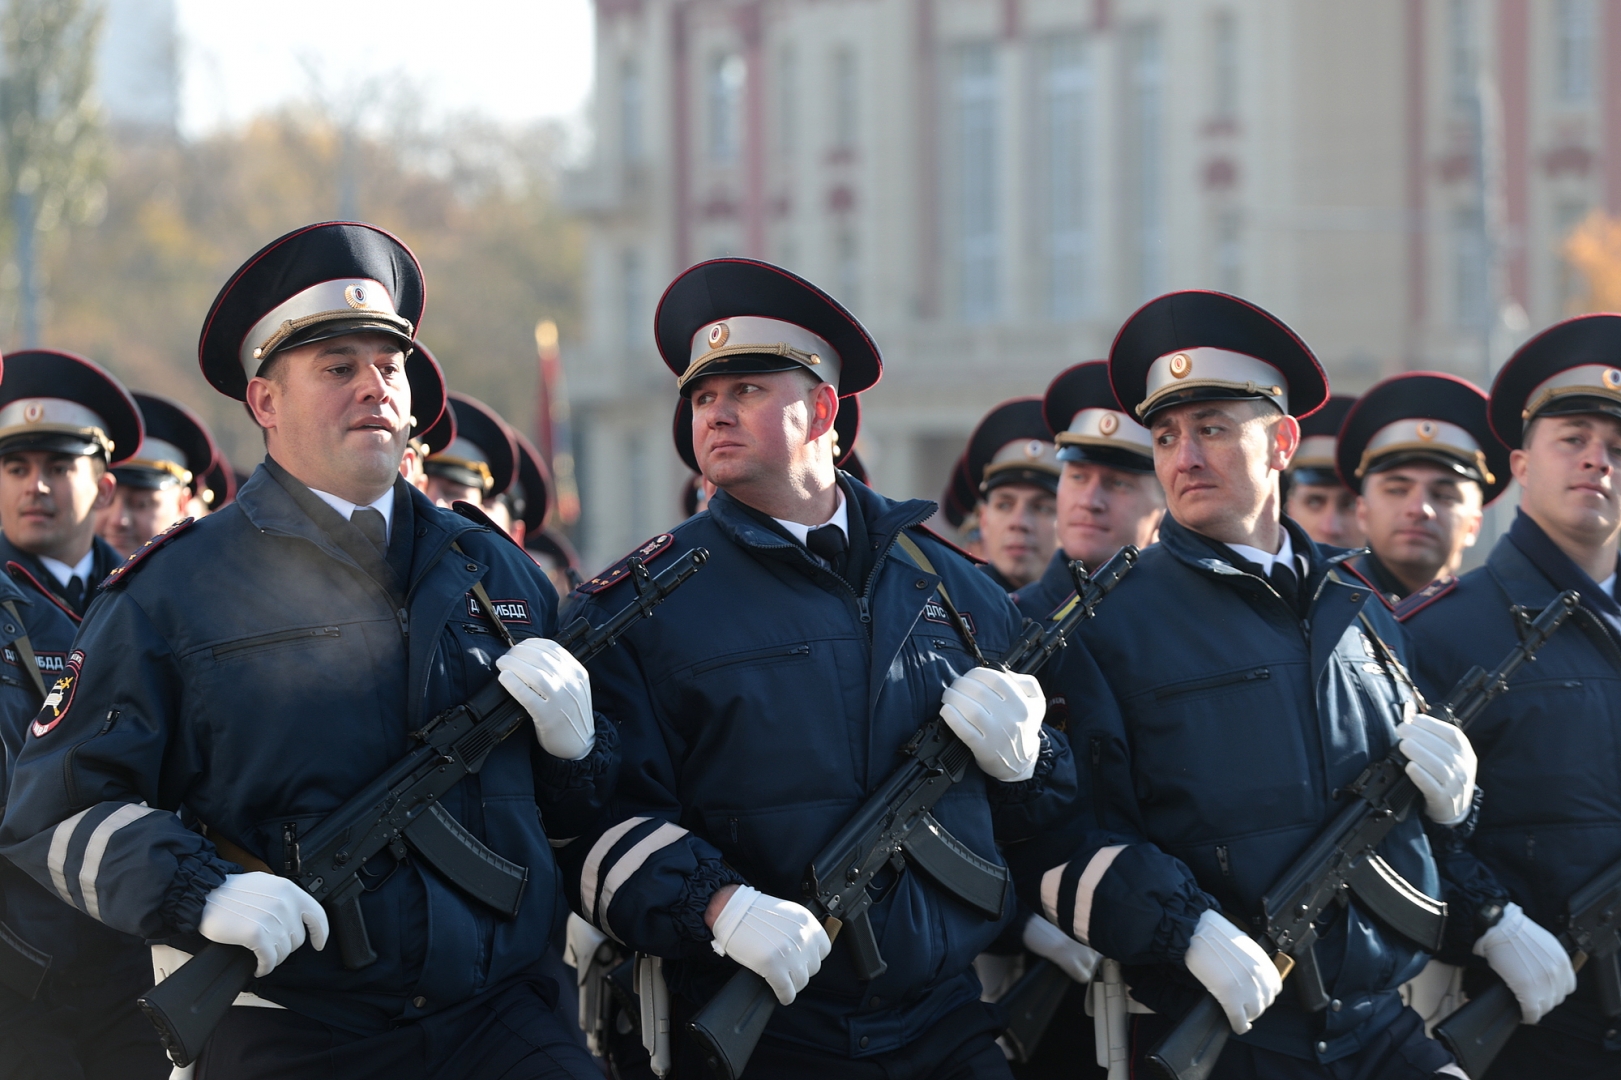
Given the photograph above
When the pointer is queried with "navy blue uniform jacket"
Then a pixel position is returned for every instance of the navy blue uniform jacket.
(252, 673)
(758, 709)
(1550, 748)
(1212, 724)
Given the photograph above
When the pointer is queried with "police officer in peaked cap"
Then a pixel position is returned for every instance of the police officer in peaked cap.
(1314, 498)
(523, 506)
(426, 440)
(1422, 458)
(846, 427)
(162, 481)
(774, 692)
(1108, 496)
(1013, 466)
(1225, 693)
(1551, 819)
(190, 743)
(481, 461)
(68, 983)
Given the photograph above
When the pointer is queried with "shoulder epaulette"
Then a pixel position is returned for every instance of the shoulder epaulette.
(144, 550)
(1422, 599)
(936, 537)
(620, 570)
(17, 569)
(478, 517)
(1346, 567)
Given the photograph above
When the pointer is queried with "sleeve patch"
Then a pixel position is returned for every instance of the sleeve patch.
(1422, 599)
(511, 611)
(144, 550)
(60, 699)
(620, 570)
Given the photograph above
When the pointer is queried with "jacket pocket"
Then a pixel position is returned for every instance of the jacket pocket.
(1231, 678)
(776, 654)
(279, 637)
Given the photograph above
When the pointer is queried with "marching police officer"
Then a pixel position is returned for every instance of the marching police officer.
(772, 694)
(1550, 819)
(1108, 496)
(1013, 466)
(522, 507)
(159, 484)
(1227, 690)
(1314, 496)
(481, 460)
(67, 983)
(251, 672)
(1422, 458)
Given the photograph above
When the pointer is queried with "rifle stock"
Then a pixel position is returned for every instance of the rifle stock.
(1028, 1008)
(1478, 1031)
(730, 1024)
(189, 1004)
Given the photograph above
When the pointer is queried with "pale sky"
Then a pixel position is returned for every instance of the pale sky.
(513, 60)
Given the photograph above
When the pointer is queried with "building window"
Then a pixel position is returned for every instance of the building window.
(846, 116)
(1143, 117)
(1470, 272)
(631, 148)
(1229, 251)
(847, 268)
(1574, 34)
(727, 72)
(1065, 107)
(1224, 65)
(975, 101)
(787, 104)
(1461, 52)
(635, 320)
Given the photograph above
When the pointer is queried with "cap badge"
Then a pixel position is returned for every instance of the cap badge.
(718, 335)
(1109, 423)
(1032, 449)
(356, 296)
(1426, 430)
(33, 412)
(1181, 365)
(1612, 378)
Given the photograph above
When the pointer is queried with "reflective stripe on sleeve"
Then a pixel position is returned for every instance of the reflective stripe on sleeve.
(96, 850)
(1090, 878)
(57, 858)
(593, 863)
(632, 860)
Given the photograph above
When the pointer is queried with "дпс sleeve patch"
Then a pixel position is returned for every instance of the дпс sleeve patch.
(620, 570)
(144, 550)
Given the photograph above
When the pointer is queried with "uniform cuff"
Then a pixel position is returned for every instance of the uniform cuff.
(1004, 792)
(557, 777)
(701, 885)
(197, 876)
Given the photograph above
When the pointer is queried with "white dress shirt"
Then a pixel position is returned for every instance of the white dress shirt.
(383, 505)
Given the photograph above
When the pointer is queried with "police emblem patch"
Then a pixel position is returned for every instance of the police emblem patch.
(60, 698)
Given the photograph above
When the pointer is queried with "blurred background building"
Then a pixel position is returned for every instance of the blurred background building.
(993, 185)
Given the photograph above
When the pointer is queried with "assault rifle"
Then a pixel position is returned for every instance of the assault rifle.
(1344, 858)
(896, 827)
(397, 812)
(1478, 1031)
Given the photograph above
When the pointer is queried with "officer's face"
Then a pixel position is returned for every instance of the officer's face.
(1327, 512)
(1567, 473)
(1419, 519)
(1218, 462)
(1100, 510)
(754, 432)
(138, 514)
(1017, 531)
(49, 502)
(337, 414)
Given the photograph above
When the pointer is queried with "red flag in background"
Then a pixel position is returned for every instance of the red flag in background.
(554, 436)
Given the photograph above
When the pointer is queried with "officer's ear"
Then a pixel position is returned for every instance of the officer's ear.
(1284, 440)
(824, 409)
(106, 485)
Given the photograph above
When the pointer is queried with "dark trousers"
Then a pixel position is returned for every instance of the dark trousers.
(82, 1030)
(1535, 1053)
(513, 1034)
(1068, 1050)
(962, 1046)
(1400, 1052)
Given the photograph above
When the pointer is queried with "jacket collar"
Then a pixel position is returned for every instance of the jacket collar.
(1212, 557)
(884, 518)
(1532, 569)
(32, 570)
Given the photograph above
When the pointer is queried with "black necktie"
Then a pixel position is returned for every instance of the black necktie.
(827, 542)
(372, 526)
(74, 591)
(1284, 581)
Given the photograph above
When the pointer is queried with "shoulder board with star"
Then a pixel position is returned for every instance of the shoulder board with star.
(1422, 599)
(145, 550)
(620, 570)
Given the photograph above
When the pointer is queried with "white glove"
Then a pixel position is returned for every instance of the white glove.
(555, 691)
(265, 913)
(998, 715)
(1530, 960)
(1441, 763)
(1234, 969)
(1044, 939)
(778, 940)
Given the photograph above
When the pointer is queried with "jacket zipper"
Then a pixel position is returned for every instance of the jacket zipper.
(231, 648)
(1253, 675)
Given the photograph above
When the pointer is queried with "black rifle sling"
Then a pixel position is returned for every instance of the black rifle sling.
(25, 650)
